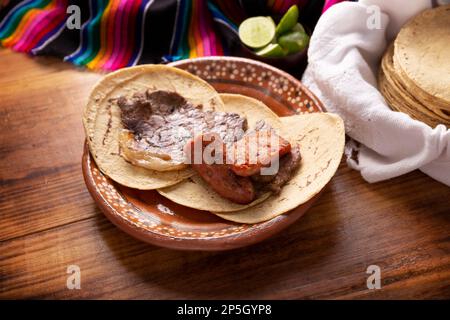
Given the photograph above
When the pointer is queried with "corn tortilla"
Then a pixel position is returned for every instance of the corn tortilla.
(102, 122)
(321, 137)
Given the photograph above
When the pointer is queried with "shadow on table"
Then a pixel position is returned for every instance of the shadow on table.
(55, 64)
(240, 273)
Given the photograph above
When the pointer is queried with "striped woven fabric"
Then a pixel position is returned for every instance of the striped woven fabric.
(119, 33)
(32, 23)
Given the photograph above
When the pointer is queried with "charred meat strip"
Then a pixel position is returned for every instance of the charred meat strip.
(219, 176)
(256, 150)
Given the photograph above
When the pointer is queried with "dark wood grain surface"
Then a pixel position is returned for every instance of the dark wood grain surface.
(48, 220)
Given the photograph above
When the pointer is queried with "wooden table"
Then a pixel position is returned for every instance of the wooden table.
(48, 220)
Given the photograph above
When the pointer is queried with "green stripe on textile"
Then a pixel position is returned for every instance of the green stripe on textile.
(183, 48)
(94, 41)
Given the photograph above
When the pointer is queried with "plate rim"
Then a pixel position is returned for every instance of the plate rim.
(308, 92)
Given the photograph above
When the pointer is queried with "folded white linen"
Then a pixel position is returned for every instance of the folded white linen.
(343, 61)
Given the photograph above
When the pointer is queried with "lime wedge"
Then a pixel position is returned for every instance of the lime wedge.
(294, 41)
(257, 32)
(298, 27)
(288, 21)
(272, 50)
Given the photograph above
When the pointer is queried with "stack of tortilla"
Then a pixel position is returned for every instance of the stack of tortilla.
(415, 70)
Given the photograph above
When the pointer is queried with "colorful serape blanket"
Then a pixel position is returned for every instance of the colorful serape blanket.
(112, 34)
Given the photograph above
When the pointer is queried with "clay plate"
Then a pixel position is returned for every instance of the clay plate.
(148, 216)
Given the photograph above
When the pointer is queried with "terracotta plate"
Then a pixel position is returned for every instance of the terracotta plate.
(150, 217)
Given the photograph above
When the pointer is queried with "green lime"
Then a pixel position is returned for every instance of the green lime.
(288, 21)
(257, 32)
(298, 27)
(294, 41)
(272, 50)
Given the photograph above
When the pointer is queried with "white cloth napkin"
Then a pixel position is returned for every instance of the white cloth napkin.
(344, 57)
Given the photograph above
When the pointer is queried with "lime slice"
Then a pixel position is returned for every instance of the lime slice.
(257, 32)
(294, 41)
(288, 21)
(272, 50)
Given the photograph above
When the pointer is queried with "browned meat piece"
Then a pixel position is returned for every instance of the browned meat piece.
(288, 164)
(134, 112)
(261, 180)
(162, 122)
